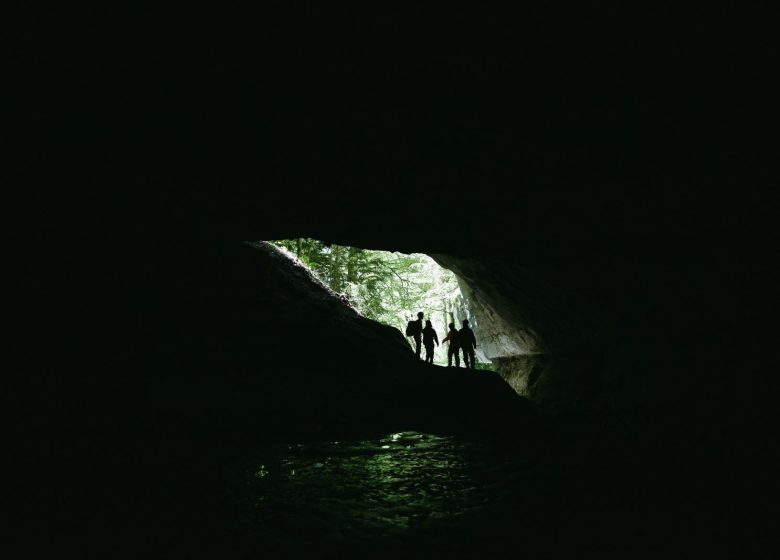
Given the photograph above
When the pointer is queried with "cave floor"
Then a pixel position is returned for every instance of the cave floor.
(187, 487)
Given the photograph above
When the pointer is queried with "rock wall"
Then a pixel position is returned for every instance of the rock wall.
(671, 334)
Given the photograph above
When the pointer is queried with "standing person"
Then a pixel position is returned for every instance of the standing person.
(429, 337)
(414, 329)
(452, 336)
(467, 344)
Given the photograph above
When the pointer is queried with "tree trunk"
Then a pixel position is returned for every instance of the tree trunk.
(352, 262)
(336, 283)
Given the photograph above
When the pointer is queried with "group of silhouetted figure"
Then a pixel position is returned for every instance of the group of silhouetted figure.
(462, 339)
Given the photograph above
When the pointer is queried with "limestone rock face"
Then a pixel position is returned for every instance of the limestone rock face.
(641, 332)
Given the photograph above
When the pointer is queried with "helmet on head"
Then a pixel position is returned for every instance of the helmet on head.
(420, 314)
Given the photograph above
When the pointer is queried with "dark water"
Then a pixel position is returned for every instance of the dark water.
(405, 493)
(417, 495)
(402, 495)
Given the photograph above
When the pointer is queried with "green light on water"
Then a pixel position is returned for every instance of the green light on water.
(262, 472)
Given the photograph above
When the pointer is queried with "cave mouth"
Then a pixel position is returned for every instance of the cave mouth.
(387, 286)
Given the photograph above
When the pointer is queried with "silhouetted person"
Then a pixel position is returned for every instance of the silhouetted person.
(467, 344)
(452, 336)
(414, 329)
(429, 337)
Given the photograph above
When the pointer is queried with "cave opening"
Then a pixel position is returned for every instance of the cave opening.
(389, 287)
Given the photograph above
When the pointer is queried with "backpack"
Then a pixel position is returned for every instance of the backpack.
(411, 328)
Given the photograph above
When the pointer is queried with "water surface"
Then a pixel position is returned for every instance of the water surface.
(408, 488)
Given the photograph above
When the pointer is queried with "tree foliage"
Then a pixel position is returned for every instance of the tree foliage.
(386, 287)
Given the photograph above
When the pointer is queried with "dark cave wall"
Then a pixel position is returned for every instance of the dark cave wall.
(601, 181)
(647, 333)
(641, 331)
(621, 225)
(686, 324)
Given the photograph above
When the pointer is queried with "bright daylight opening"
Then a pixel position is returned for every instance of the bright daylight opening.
(385, 286)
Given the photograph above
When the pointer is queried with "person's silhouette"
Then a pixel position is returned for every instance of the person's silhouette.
(467, 343)
(417, 333)
(452, 337)
(429, 337)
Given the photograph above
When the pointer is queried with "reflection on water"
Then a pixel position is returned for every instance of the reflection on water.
(404, 484)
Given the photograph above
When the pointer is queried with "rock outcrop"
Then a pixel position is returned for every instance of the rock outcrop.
(637, 333)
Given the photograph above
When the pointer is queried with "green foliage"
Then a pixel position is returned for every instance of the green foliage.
(386, 287)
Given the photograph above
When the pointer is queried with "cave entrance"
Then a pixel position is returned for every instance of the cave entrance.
(388, 287)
